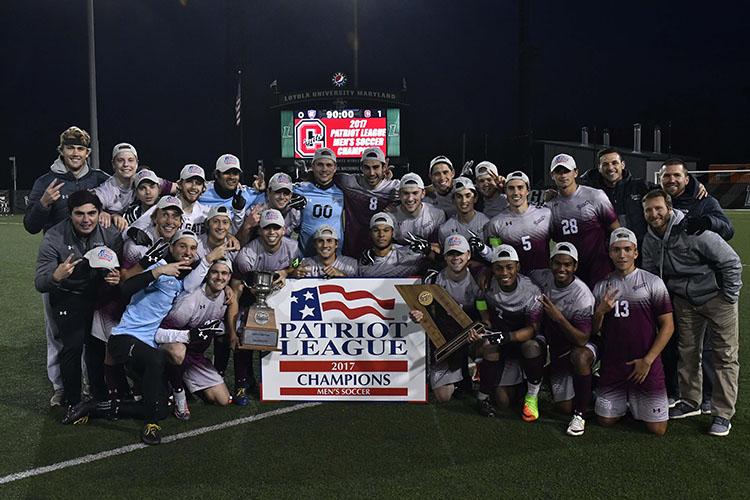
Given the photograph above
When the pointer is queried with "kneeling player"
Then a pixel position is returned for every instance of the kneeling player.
(386, 259)
(188, 330)
(326, 263)
(566, 326)
(513, 309)
(458, 282)
(634, 315)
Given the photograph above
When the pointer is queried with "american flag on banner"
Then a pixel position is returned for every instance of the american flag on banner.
(311, 304)
(238, 105)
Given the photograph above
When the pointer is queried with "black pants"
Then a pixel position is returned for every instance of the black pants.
(73, 315)
(148, 362)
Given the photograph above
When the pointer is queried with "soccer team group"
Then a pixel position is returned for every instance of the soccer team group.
(611, 276)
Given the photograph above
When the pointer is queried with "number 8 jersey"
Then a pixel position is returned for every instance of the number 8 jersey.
(324, 206)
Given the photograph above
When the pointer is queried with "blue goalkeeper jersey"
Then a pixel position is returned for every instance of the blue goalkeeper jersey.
(211, 197)
(324, 206)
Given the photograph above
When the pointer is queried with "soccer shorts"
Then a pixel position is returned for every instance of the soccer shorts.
(613, 402)
(199, 373)
(561, 374)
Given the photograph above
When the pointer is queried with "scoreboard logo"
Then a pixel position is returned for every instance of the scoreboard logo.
(309, 135)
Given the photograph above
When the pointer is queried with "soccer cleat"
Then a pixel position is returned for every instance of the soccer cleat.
(57, 399)
(151, 434)
(672, 402)
(77, 414)
(720, 427)
(486, 409)
(683, 410)
(706, 407)
(181, 408)
(530, 408)
(577, 425)
(241, 396)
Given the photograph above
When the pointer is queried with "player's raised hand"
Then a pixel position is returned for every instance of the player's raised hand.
(154, 254)
(259, 183)
(238, 201)
(476, 244)
(498, 180)
(551, 309)
(120, 222)
(608, 300)
(367, 258)
(171, 269)
(52, 193)
(105, 219)
(232, 243)
(417, 244)
(298, 201)
(468, 169)
(113, 277)
(65, 268)
(217, 253)
(641, 367)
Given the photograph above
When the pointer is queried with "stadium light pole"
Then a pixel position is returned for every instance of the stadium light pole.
(356, 44)
(94, 123)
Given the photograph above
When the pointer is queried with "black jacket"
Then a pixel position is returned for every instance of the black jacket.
(708, 206)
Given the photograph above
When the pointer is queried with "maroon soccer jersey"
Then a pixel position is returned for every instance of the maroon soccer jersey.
(630, 328)
(583, 219)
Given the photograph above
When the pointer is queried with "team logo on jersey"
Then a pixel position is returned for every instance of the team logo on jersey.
(309, 136)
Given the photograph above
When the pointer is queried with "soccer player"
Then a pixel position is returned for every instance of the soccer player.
(526, 228)
(326, 263)
(412, 215)
(704, 275)
(166, 220)
(118, 192)
(467, 221)
(47, 205)
(513, 308)
(218, 224)
(365, 195)
(270, 252)
(187, 331)
(133, 340)
(148, 188)
(566, 328)
(280, 196)
(387, 259)
(634, 316)
(191, 185)
(325, 201)
(583, 216)
(226, 189)
(490, 186)
(73, 286)
(440, 192)
(460, 285)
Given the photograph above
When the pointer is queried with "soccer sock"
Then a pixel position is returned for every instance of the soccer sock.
(534, 369)
(221, 354)
(241, 366)
(532, 389)
(582, 387)
(112, 381)
(489, 372)
(180, 399)
(174, 374)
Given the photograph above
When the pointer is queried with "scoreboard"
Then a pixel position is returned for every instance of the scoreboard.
(347, 132)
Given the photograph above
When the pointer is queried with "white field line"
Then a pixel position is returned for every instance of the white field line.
(37, 471)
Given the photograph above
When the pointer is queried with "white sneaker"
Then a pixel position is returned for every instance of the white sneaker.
(57, 398)
(576, 426)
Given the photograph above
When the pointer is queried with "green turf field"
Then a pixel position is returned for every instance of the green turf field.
(337, 449)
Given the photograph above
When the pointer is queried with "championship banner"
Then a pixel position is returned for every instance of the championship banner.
(348, 132)
(345, 340)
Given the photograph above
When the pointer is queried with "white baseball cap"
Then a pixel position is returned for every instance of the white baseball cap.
(124, 147)
(224, 261)
(518, 176)
(504, 252)
(462, 183)
(145, 175)
(102, 258)
(382, 218)
(324, 153)
(280, 180)
(373, 154)
(184, 233)
(192, 170)
(228, 162)
(456, 243)
(169, 201)
(218, 210)
(485, 168)
(566, 161)
(623, 234)
(271, 216)
(326, 231)
(440, 159)
(411, 179)
(565, 248)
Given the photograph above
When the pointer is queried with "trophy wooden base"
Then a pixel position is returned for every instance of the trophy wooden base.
(260, 333)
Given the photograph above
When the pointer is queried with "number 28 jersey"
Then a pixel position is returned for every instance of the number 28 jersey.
(324, 206)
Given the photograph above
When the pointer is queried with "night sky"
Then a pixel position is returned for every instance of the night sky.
(167, 74)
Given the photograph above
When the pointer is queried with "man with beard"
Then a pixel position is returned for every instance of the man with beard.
(526, 228)
(73, 286)
(226, 189)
